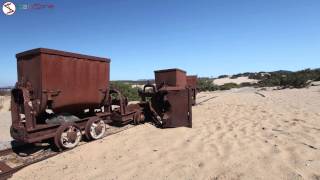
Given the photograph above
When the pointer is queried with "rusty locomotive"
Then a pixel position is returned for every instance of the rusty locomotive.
(60, 96)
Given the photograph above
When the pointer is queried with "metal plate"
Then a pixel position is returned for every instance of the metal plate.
(171, 77)
(180, 112)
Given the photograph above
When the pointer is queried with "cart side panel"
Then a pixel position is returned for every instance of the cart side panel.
(79, 81)
(29, 70)
(171, 77)
(192, 81)
(180, 112)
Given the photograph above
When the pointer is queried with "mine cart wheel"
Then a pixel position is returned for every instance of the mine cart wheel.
(95, 129)
(67, 136)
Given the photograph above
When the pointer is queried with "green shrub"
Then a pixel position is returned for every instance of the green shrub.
(288, 79)
(257, 76)
(228, 86)
(126, 90)
(222, 76)
(206, 85)
(247, 84)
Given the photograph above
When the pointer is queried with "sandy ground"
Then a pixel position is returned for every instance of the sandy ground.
(236, 135)
(5, 122)
(238, 80)
(4, 103)
(137, 85)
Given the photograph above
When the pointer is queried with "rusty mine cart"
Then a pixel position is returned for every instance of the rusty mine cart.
(61, 95)
(169, 102)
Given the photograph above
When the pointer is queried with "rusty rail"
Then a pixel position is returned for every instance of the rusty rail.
(206, 100)
(6, 171)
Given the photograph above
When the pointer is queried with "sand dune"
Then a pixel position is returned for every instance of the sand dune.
(239, 80)
(235, 135)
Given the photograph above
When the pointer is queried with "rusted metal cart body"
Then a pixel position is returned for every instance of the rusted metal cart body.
(192, 84)
(170, 103)
(67, 82)
(59, 95)
(170, 77)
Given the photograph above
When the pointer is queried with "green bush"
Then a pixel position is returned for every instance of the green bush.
(289, 79)
(126, 90)
(257, 76)
(222, 76)
(228, 86)
(247, 84)
(206, 85)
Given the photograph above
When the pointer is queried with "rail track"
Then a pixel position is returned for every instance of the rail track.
(205, 100)
(16, 158)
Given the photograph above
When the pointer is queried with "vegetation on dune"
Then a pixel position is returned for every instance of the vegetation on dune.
(248, 84)
(127, 90)
(282, 78)
(287, 79)
(246, 74)
(228, 86)
(206, 84)
(222, 76)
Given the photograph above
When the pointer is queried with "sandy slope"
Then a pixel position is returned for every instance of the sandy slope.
(236, 135)
(239, 80)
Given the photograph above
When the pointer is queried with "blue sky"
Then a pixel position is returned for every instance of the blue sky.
(203, 37)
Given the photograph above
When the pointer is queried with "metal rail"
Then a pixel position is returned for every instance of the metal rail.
(206, 100)
(6, 171)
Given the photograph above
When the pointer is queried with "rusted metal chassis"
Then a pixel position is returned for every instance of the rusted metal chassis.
(28, 130)
(169, 106)
(192, 83)
(125, 113)
(31, 132)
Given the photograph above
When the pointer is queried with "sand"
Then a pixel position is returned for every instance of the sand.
(5, 122)
(239, 80)
(4, 103)
(236, 135)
